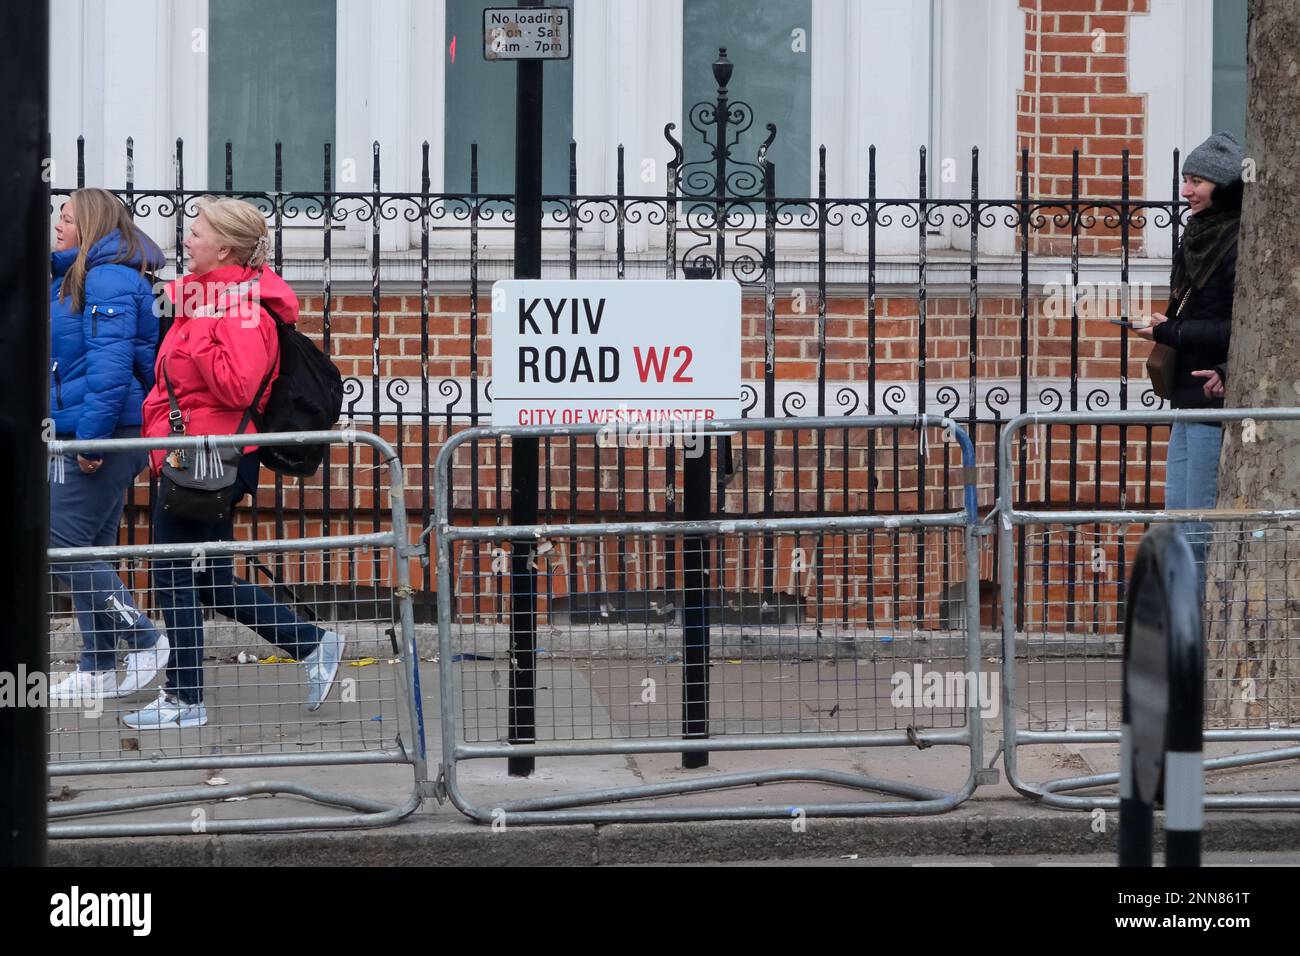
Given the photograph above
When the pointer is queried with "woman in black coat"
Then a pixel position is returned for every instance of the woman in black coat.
(1199, 322)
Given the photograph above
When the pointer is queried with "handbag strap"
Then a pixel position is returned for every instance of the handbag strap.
(175, 416)
(177, 419)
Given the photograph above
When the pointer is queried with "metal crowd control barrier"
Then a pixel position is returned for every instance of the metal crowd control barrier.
(1067, 647)
(606, 680)
(1164, 703)
(355, 584)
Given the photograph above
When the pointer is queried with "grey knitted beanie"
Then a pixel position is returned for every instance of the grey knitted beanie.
(1218, 159)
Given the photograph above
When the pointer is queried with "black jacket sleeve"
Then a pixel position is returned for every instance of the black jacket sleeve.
(1207, 324)
(1199, 335)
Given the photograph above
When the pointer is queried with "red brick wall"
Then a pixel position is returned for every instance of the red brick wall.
(847, 330)
(897, 336)
(851, 485)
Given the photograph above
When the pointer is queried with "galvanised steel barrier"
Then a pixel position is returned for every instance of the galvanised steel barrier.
(671, 636)
(1066, 645)
(357, 585)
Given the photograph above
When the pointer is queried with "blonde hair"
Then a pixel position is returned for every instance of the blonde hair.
(240, 226)
(98, 213)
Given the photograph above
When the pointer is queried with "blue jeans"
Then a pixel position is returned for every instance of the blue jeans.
(86, 511)
(182, 584)
(1192, 479)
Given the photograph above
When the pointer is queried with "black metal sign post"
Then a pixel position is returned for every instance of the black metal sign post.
(24, 401)
(524, 452)
(695, 606)
(1163, 704)
(695, 592)
(697, 472)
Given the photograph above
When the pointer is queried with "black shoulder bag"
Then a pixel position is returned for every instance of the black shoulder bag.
(201, 487)
(1162, 362)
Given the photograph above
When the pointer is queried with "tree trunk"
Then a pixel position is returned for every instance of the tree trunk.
(1253, 586)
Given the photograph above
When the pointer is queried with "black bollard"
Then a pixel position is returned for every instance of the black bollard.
(1163, 703)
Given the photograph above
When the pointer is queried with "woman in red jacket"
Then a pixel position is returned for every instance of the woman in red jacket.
(220, 349)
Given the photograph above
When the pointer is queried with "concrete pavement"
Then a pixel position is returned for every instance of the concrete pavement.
(255, 709)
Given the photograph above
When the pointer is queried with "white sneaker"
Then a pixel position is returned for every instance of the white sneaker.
(167, 711)
(82, 687)
(322, 665)
(143, 666)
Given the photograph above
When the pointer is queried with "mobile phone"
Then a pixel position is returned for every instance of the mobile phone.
(1127, 323)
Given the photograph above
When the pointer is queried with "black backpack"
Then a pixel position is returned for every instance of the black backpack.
(307, 396)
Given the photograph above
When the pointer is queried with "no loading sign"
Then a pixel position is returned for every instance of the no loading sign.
(527, 33)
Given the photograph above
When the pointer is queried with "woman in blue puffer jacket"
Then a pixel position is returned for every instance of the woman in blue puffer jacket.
(103, 336)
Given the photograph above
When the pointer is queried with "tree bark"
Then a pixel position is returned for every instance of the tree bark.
(1253, 579)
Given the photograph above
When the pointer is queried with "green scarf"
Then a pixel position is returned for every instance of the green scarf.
(1208, 237)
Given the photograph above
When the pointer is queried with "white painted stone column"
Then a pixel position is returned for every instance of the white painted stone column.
(137, 69)
(1171, 55)
(886, 102)
(374, 82)
(427, 106)
(980, 52)
(627, 85)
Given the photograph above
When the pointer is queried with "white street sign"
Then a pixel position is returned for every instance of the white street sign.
(608, 351)
(527, 33)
